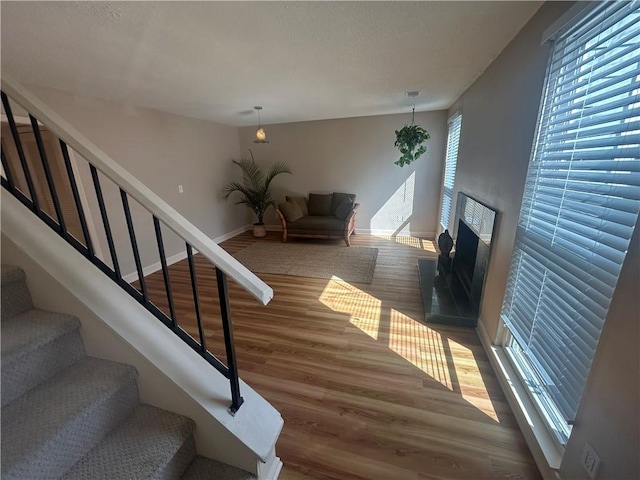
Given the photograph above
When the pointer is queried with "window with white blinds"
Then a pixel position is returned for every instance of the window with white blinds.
(580, 206)
(453, 140)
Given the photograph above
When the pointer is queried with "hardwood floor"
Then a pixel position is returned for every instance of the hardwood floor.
(366, 390)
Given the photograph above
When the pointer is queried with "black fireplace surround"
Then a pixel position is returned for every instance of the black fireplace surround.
(452, 287)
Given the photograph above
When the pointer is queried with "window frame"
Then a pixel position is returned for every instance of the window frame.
(450, 163)
(526, 374)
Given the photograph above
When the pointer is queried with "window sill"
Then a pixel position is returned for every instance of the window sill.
(546, 452)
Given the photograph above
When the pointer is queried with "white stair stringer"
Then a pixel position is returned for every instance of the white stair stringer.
(171, 376)
(80, 418)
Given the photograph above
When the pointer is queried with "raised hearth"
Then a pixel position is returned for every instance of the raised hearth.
(452, 288)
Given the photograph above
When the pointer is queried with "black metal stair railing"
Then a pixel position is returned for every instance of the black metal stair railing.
(18, 179)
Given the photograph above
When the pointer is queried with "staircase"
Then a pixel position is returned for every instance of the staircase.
(67, 415)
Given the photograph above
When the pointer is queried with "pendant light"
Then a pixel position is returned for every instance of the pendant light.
(261, 135)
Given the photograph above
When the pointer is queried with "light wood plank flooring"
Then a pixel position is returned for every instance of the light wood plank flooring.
(366, 389)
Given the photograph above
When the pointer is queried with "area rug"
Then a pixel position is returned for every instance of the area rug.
(351, 264)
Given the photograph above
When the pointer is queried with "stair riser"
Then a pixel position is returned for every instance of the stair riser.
(15, 299)
(24, 371)
(180, 461)
(77, 438)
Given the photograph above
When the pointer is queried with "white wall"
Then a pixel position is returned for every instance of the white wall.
(356, 155)
(163, 151)
(499, 113)
(499, 116)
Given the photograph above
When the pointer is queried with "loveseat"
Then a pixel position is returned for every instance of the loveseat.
(331, 215)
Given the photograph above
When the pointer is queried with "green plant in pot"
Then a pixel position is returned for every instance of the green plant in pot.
(254, 190)
(409, 140)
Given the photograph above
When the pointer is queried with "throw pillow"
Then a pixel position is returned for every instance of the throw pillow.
(338, 198)
(320, 204)
(301, 201)
(291, 211)
(344, 209)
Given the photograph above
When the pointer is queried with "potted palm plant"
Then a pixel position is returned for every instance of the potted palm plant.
(254, 189)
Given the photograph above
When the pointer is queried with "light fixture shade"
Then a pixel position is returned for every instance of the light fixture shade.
(261, 135)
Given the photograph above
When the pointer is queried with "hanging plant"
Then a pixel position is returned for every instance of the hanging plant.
(409, 140)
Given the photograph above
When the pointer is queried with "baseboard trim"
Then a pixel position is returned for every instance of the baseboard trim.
(274, 470)
(155, 267)
(232, 234)
(392, 233)
(545, 452)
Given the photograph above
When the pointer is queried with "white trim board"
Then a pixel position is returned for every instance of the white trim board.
(155, 267)
(544, 450)
(392, 233)
(368, 231)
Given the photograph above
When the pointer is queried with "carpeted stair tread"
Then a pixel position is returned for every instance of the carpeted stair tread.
(149, 444)
(14, 293)
(53, 425)
(36, 345)
(207, 469)
(11, 273)
(32, 329)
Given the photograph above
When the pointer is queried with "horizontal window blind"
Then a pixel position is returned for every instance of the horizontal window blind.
(453, 141)
(581, 200)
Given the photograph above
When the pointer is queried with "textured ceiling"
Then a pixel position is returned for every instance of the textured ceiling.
(299, 60)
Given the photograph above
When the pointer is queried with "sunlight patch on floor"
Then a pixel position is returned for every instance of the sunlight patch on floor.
(420, 346)
(469, 380)
(421, 243)
(363, 308)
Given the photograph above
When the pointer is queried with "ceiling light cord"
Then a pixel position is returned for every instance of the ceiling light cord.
(261, 135)
(413, 115)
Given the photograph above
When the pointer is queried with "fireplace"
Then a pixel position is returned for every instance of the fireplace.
(452, 288)
(464, 260)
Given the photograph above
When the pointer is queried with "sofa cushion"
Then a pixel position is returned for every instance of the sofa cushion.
(301, 201)
(291, 211)
(317, 224)
(337, 200)
(320, 204)
(344, 209)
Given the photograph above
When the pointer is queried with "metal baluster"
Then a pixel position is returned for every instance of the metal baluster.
(196, 300)
(165, 271)
(76, 196)
(23, 160)
(47, 174)
(227, 327)
(134, 245)
(105, 221)
(7, 172)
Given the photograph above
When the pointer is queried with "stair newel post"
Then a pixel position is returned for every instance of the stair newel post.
(225, 311)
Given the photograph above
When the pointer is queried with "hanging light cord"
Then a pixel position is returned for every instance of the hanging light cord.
(413, 115)
(259, 124)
